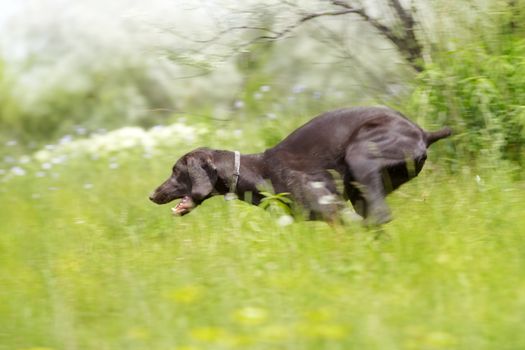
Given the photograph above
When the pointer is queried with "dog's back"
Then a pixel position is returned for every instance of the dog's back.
(327, 136)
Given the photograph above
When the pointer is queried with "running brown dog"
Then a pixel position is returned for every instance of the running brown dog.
(373, 149)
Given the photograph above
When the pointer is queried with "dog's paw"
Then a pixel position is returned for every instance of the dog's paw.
(377, 218)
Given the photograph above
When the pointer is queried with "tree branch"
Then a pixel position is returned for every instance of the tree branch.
(405, 41)
(384, 30)
(405, 16)
(305, 18)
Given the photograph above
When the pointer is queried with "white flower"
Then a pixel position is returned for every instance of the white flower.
(18, 171)
(109, 143)
(65, 139)
(42, 156)
(60, 159)
(80, 130)
(285, 220)
(238, 104)
(298, 88)
(479, 180)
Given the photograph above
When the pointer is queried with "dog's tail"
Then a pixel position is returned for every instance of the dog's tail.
(437, 135)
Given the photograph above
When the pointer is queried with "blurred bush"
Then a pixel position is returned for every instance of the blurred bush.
(473, 80)
(478, 88)
(9, 109)
(482, 96)
(108, 97)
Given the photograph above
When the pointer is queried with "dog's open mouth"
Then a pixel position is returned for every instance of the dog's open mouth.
(184, 207)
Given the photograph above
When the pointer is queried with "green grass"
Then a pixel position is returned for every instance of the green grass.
(103, 268)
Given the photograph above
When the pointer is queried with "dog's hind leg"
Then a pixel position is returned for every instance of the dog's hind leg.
(366, 172)
(353, 194)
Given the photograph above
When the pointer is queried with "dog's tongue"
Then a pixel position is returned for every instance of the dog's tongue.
(184, 206)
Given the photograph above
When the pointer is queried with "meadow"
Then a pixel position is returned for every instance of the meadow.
(89, 263)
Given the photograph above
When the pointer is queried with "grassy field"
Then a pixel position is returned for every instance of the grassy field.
(89, 263)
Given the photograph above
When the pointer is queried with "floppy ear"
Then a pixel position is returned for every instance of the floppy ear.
(203, 176)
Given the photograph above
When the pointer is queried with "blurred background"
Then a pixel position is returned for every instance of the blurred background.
(99, 98)
(90, 66)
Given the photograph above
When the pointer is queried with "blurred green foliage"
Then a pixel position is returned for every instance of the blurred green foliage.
(9, 109)
(108, 97)
(477, 87)
(481, 95)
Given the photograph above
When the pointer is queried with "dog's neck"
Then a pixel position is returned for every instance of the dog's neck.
(251, 174)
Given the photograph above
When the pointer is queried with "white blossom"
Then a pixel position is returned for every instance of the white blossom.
(285, 220)
(110, 143)
(18, 171)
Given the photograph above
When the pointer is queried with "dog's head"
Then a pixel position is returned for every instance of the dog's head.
(192, 179)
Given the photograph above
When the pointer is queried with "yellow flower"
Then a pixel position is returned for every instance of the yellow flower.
(319, 315)
(184, 295)
(219, 336)
(208, 334)
(185, 347)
